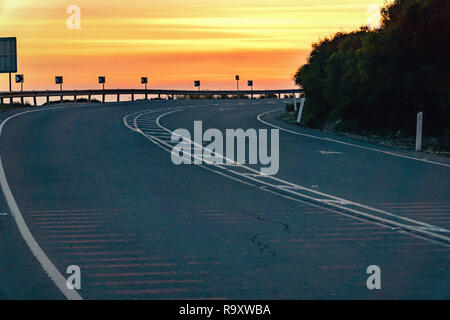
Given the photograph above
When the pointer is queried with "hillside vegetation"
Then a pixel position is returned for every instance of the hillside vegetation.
(375, 81)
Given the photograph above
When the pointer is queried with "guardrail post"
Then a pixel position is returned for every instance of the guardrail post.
(48, 99)
(118, 97)
(103, 98)
(21, 100)
(132, 97)
(89, 98)
(419, 127)
(35, 101)
(75, 99)
(2, 101)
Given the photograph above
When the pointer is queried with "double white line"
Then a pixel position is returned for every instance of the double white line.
(292, 191)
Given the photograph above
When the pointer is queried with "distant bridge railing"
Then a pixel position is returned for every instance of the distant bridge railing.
(11, 95)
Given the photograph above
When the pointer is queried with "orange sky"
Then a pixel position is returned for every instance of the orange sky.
(173, 42)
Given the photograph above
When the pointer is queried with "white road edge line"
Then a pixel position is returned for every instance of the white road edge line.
(51, 270)
(259, 118)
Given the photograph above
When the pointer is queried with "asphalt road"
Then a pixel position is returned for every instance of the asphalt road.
(96, 188)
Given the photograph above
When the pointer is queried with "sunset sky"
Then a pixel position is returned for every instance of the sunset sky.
(173, 42)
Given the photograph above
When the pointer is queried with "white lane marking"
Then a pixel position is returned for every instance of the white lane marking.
(3, 214)
(54, 274)
(330, 152)
(256, 173)
(259, 117)
(334, 201)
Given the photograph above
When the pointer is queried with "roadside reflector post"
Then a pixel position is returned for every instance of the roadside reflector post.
(295, 102)
(300, 112)
(419, 131)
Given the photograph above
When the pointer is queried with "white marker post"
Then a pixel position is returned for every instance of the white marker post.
(299, 115)
(295, 102)
(419, 131)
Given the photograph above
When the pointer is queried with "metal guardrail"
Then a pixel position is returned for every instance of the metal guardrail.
(146, 92)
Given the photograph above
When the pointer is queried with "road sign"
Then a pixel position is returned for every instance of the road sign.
(144, 80)
(250, 83)
(237, 78)
(102, 79)
(59, 80)
(197, 83)
(19, 78)
(8, 55)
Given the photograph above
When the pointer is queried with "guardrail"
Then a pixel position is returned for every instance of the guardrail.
(11, 95)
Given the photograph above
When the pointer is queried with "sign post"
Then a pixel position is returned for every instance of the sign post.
(20, 79)
(144, 81)
(59, 80)
(8, 57)
(250, 84)
(102, 80)
(197, 84)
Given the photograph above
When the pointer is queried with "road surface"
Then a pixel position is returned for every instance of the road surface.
(95, 187)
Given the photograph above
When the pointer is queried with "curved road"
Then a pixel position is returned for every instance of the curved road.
(97, 188)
